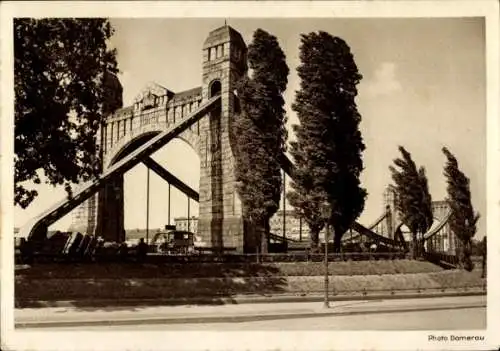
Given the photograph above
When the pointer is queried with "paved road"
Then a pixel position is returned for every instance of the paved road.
(461, 319)
(447, 313)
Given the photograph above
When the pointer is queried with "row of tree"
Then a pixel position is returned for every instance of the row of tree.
(327, 152)
(414, 203)
(328, 149)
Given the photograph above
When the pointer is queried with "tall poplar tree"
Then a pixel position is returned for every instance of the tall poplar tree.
(329, 145)
(413, 199)
(484, 252)
(259, 134)
(463, 219)
(64, 84)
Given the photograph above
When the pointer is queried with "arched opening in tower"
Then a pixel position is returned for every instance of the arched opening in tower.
(167, 204)
(215, 88)
(124, 212)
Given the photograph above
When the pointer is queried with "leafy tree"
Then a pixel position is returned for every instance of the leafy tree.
(327, 152)
(483, 247)
(63, 73)
(484, 251)
(259, 133)
(413, 200)
(462, 220)
(477, 247)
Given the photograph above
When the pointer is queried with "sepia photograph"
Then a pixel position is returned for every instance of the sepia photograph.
(254, 175)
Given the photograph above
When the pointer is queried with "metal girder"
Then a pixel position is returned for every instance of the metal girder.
(171, 179)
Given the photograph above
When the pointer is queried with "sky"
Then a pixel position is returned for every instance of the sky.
(423, 87)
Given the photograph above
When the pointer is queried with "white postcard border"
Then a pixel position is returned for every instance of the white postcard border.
(18, 340)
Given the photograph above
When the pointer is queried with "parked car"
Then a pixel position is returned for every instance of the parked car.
(174, 242)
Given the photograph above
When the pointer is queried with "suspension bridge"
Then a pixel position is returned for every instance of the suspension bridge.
(202, 117)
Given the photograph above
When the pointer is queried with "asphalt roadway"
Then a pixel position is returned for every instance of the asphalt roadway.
(437, 313)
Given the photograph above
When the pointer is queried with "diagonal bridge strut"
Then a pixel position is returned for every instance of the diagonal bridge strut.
(171, 179)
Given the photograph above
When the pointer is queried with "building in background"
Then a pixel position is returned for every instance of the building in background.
(188, 224)
(295, 228)
(290, 222)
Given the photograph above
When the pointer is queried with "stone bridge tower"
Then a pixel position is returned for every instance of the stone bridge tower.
(220, 217)
(444, 240)
(156, 109)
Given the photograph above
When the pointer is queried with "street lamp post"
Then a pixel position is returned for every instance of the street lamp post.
(147, 207)
(325, 212)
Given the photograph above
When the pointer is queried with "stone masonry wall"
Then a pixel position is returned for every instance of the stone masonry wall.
(220, 222)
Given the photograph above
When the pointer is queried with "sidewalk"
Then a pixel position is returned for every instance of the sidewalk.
(253, 299)
(76, 316)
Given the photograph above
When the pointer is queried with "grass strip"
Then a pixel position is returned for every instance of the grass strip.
(222, 270)
(218, 287)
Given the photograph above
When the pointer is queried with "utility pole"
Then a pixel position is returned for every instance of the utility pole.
(326, 212)
(284, 207)
(168, 203)
(327, 235)
(189, 217)
(147, 207)
(300, 228)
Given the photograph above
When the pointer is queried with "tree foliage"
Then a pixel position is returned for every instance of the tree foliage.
(63, 72)
(484, 252)
(259, 133)
(462, 220)
(329, 145)
(413, 199)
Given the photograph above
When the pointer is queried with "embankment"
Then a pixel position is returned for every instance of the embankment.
(213, 282)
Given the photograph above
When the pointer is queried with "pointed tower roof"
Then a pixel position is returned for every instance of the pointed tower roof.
(222, 35)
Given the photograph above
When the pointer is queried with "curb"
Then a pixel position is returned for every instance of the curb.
(242, 299)
(233, 318)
